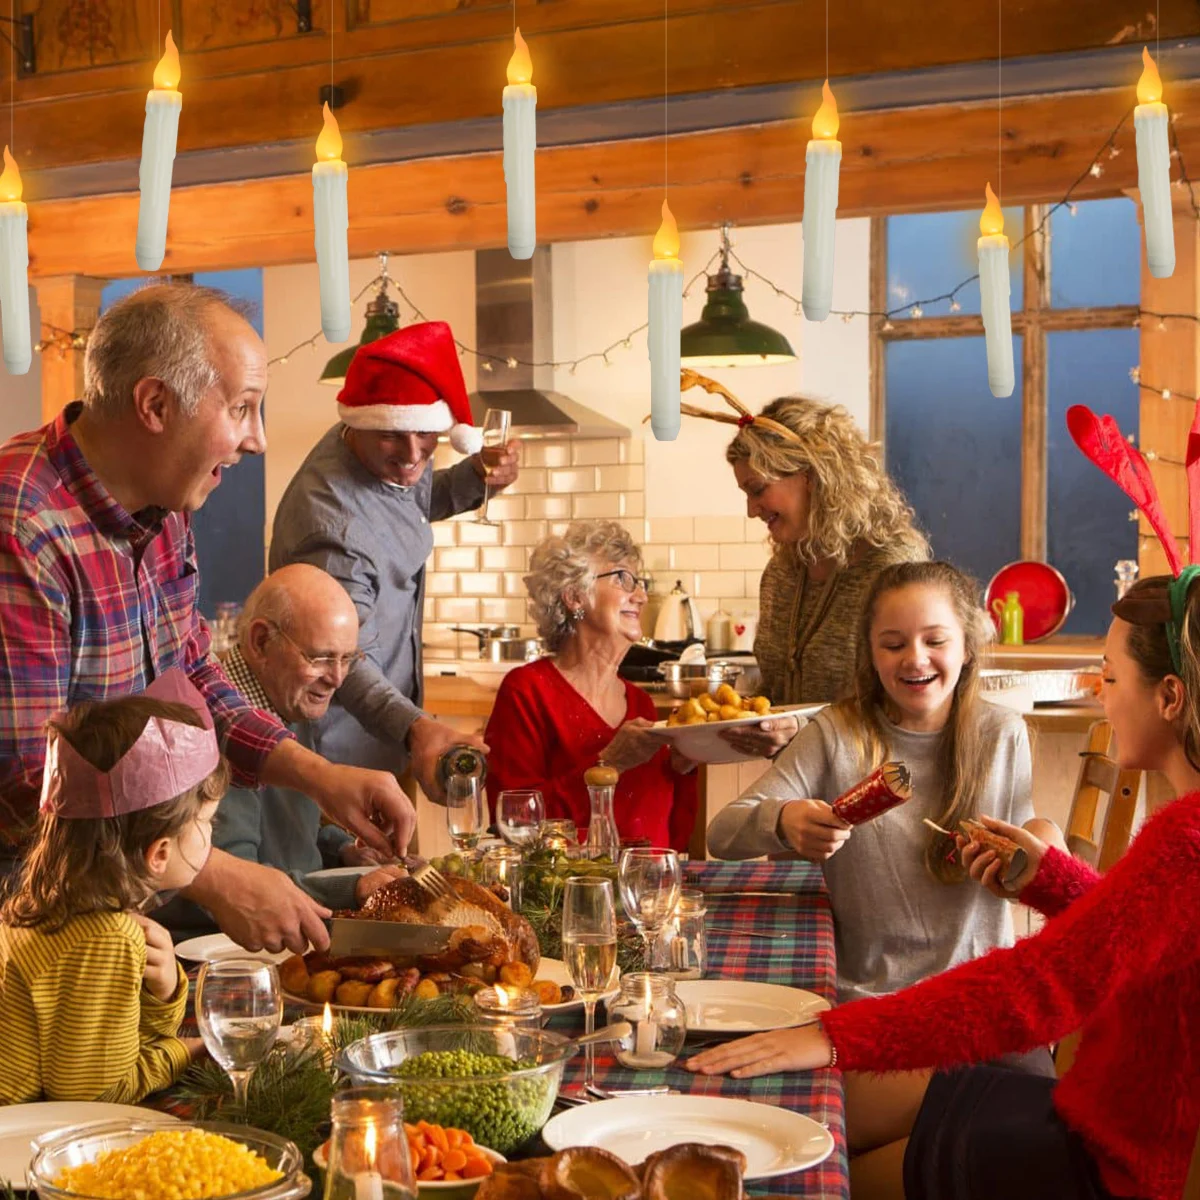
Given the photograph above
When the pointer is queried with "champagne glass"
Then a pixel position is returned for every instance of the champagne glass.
(238, 1008)
(650, 880)
(589, 937)
(519, 816)
(495, 437)
(466, 812)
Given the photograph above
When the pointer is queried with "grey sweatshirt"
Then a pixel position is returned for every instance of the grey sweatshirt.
(894, 923)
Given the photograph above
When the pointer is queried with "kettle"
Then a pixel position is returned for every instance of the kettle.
(678, 619)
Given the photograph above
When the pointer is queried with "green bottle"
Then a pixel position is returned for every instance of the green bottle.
(1012, 619)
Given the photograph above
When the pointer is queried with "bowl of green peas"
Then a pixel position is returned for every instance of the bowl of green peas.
(498, 1084)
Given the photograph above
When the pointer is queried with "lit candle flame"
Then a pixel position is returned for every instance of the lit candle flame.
(369, 1145)
(327, 1020)
(520, 66)
(166, 74)
(329, 140)
(825, 120)
(666, 240)
(501, 995)
(1149, 88)
(10, 180)
(991, 220)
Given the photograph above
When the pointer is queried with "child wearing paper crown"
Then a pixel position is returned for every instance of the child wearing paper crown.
(91, 996)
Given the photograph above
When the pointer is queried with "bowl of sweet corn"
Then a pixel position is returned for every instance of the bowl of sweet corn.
(154, 1160)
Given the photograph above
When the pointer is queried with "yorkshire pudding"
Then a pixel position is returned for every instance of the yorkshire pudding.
(588, 1173)
(693, 1172)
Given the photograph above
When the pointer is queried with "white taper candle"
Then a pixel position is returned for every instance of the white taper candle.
(331, 223)
(164, 102)
(1150, 119)
(14, 270)
(666, 321)
(994, 292)
(822, 168)
(520, 143)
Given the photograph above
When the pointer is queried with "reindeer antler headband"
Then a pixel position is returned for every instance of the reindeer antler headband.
(690, 379)
(1100, 439)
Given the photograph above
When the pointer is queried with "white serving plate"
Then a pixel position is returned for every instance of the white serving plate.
(212, 946)
(775, 1141)
(20, 1124)
(738, 1006)
(703, 743)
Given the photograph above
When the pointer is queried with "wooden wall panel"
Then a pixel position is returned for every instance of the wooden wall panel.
(75, 35)
(217, 24)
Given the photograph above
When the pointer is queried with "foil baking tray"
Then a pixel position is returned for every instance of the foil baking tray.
(1047, 687)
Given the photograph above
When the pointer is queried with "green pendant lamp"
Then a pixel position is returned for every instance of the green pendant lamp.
(383, 317)
(725, 336)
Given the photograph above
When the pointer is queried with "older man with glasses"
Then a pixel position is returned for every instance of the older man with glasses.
(297, 640)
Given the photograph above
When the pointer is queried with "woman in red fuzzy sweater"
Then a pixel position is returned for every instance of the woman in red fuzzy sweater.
(1118, 959)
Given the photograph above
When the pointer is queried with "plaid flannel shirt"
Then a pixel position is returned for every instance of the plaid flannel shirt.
(95, 603)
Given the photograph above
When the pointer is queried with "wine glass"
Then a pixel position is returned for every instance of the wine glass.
(466, 812)
(589, 938)
(238, 1008)
(519, 816)
(650, 880)
(495, 437)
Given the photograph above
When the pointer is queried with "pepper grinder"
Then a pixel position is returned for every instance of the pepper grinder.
(602, 837)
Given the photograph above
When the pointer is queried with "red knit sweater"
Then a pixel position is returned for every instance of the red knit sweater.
(1119, 959)
(543, 734)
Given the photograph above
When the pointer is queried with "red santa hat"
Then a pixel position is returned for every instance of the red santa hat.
(411, 382)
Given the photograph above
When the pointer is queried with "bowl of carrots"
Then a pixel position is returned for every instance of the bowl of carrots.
(447, 1163)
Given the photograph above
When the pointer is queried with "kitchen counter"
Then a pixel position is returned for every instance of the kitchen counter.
(1053, 654)
(460, 696)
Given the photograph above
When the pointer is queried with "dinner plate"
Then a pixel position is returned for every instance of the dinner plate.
(443, 1189)
(775, 1141)
(703, 743)
(738, 1006)
(21, 1123)
(338, 873)
(212, 946)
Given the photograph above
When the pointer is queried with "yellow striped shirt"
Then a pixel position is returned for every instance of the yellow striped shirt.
(76, 1022)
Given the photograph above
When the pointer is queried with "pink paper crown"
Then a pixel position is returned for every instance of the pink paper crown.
(167, 759)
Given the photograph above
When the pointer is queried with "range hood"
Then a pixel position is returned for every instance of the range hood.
(513, 320)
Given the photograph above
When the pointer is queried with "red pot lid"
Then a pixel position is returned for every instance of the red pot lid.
(1044, 595)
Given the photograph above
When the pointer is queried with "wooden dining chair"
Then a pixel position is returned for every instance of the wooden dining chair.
(1099, 775)
(1191, 1187)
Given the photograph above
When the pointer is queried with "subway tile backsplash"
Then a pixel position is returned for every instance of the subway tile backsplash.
(476, 573)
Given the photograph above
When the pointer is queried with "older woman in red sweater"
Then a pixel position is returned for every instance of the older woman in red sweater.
(558, 716)
(1118, 959)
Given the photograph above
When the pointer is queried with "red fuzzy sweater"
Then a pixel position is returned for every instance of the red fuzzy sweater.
(1119, 959)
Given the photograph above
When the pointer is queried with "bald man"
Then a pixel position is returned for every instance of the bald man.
(297, 639)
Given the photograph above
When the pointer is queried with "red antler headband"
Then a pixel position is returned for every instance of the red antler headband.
(690, 379)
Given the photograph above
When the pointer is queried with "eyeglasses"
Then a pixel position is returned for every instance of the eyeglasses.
(627, 581)
(321, 662)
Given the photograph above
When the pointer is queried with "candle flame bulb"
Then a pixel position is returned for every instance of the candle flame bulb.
(520, 66)
(166, 73)
(991, 220)
(666, 240)
(327, 1020)
(10, 180)
(369, 1144)
(329, 140)
(1149, 88)
(825, 120)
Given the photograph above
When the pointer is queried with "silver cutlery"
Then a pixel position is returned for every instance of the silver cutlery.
(748, 933)
(616, 1093)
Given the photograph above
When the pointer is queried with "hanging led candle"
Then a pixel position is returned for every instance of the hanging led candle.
(1154, 171)
(520, 141)
(994, 297)
(822, 166)
(14, 270)
(666, 320)
(331, 221)
(163, 106)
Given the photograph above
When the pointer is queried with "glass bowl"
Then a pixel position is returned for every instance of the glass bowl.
(79, 1144)
(501, 1112)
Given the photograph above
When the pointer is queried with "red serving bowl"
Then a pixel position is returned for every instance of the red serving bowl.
(1045, 597)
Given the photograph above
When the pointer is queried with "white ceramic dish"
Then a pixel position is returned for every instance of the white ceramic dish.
(775, 1141)
(20, 1124)
(703, 743)
(738, 1006)
(443, 1189)
(213, 946)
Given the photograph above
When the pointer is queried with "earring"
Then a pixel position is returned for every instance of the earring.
(577, 614)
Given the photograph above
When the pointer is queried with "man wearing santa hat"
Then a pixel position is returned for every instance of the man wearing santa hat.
(360, 508)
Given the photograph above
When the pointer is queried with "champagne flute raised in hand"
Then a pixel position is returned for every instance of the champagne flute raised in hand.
(496, 423)
(238, 1009)
(589, 936)
(650, 880)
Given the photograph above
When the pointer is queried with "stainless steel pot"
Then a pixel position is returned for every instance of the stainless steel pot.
(685, 680)
(503, 643)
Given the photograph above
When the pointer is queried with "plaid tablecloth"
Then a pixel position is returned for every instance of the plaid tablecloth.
(805, 959)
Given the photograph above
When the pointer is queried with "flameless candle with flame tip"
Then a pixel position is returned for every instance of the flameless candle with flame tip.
(1154, 171)
(520, 142)
(666, 321)
(822, 167)
(994, 297)
(368, 1184)
(331, 221)
(14, 270)
(163, 106)
(317, 1034)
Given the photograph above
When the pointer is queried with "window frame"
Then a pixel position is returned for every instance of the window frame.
(1034, 320)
